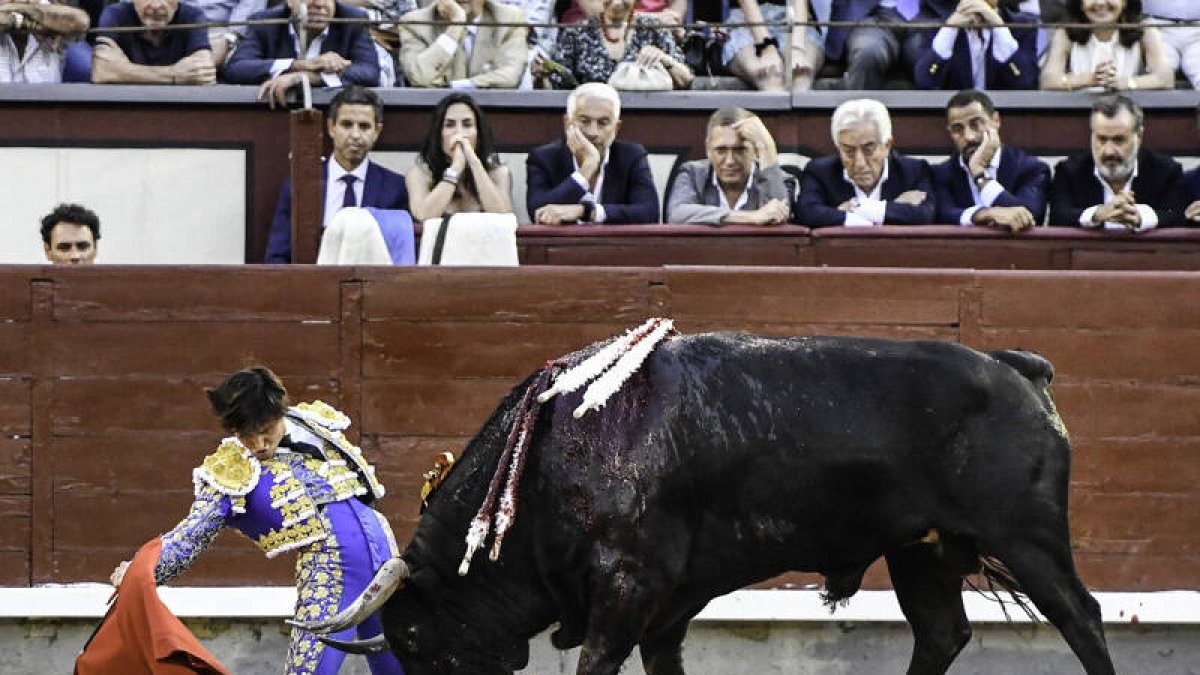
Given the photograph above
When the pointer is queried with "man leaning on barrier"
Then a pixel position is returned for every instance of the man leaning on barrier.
(157, 54)
(1119, 186)
(337, 54)
(33, 37)
(986, 182)
(590, 176)
(739, 182)
(867, 183)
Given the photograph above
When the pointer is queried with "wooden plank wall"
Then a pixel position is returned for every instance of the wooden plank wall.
(102, 413)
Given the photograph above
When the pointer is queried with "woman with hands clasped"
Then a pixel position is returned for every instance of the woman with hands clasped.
(592, 51)
(458, 170)
(1103, 56)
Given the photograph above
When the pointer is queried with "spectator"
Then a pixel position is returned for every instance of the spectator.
(740, 182)
(756, 54)
(867, 183)
(70, 234)
(668, 12)
(33, 37)
(458, 169)
(1181, 42)
(154, 55)
(986, 182)
(1120, 186)
(461, 53)
(224, 38)
(354, 121)
(1189, 187)
(870, 51)
(976, 51)
(589, 176)
(1103, 57)
(590, 52)
(337, 54)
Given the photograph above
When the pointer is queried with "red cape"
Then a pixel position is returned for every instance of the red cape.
(140, 635)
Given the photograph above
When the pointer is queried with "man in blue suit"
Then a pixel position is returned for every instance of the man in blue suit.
(589, 176)
(866, 183)
(975, 50)
(1119, 186)
(986, 182)
(337, 53)
(354, 121)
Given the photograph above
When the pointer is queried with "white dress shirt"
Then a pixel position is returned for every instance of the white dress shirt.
(1148, 214)
(869, 209)
(280, 66)
(335, 187)
(991, 190)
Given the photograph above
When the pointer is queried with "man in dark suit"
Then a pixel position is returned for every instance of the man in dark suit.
(986, 182)
(975, 50)
(354, 121)
(1120, 186)
(590, 177)
(337, 53)
(866, 183)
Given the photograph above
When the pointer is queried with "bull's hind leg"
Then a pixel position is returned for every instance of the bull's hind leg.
(663, 654)
(1048, 577)
(930, 594)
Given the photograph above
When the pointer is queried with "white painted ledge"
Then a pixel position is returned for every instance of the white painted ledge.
(89, 601)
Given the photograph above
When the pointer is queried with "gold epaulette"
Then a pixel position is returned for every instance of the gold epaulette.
(323, 414)
(231, 470)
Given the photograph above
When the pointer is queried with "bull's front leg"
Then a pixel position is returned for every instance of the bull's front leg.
(616, 622)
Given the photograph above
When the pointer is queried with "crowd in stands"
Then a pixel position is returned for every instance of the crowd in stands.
(1108, 45)
(591, 177)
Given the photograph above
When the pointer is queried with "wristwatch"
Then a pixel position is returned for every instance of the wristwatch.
(981, 179)
(589, 211)
(759, 47)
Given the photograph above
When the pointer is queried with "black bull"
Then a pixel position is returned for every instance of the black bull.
(728, 459)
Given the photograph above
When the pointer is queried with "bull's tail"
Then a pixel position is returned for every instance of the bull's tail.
(1000, 578)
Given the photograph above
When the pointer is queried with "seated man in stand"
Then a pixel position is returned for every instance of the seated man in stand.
(866, 183)
(590, 176)
(337, 54)
(740, 182)
(154, 55)
(1119, 186)
(975, 50)
(444, 45)
(33, 36)
(354, 120)
(986, 182)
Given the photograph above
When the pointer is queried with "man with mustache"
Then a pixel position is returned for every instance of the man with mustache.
(336, 54)
(354, 122)
(986, 182)
(590, 176)
(867, 183)
(154, 55)
(1120, 186)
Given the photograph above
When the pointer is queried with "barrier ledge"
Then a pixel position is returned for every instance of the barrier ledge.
(89, 601)
(1166, 234)
(661, 230)
(405, 97)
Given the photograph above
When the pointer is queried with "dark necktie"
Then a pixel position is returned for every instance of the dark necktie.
(349, 199)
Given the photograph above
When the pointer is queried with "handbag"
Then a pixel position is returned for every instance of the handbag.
(704, 51)
(629, 76)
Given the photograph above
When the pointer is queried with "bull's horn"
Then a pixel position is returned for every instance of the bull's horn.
(375, 645)
(389, 577)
